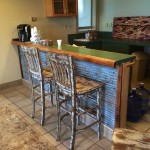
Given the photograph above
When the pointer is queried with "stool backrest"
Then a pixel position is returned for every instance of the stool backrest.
(63, 72)
(33, 61)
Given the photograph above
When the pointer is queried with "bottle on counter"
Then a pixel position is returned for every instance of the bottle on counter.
(134, 106)
(35, 35)
(145, 94)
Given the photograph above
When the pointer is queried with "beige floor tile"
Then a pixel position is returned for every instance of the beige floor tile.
(11, 93)
(2, 97)
(14, 107)
(141, 125)
(95, 147)
(91, 134)
(6, 90)
(17, 87)
(40, 128)
(27, 94)
(50, 123)
(24, 90)
(24, 103)
(30, 120)
(48, 98)
(64, 135)
(148, 130)
(62, 147)
(17, 98)
(5, 102)
(108, 147)
(52, 110)
(105, 144)
(146, 117)
(52, 139)
(82, 142)
(28, 109)
(37, 116)
(21, 113)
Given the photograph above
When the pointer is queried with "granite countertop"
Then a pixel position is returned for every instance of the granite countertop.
(105, 58)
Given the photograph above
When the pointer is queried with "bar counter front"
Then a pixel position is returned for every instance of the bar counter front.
(113, 69)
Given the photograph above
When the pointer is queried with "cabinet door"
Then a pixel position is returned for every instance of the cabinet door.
(58, 7)
(61, 8)
(71, 7)
(54, 7)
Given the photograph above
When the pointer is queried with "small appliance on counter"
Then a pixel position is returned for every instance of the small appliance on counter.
(24, 32)
(35, 35)
(91, 35)
(46, 42)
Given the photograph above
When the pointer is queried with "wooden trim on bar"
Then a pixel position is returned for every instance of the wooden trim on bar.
(118, 96)
(124, 93)
(84, 57)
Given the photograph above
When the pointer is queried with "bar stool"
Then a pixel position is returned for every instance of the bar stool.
(73, 93)
(39, 77)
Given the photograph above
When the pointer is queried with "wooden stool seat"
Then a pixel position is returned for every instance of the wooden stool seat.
(84, 85)
(47, 73)
(125, 139)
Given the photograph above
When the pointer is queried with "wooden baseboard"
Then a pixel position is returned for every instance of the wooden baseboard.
(13, 83)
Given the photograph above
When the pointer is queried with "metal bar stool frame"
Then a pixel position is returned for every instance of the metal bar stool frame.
(38, 77)
(67, 87)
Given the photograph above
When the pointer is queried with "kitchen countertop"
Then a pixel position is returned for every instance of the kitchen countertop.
(108, 38)
(105, 58)
(127, 41)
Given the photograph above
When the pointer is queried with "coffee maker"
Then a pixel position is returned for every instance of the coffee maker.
(24, 32)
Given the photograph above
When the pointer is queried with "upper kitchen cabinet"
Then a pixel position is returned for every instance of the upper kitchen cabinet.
(61, 8)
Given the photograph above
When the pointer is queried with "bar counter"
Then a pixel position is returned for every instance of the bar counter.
(95, 56)
(113, 69)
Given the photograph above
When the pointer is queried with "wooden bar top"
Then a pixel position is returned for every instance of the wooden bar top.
(105, 58)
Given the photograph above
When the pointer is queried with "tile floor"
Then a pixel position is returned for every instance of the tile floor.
(18, 97)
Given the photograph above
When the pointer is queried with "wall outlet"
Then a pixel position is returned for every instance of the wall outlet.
(70, 27)
(65, 27)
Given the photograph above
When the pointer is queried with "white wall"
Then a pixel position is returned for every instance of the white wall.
(120, 8)
(14, 12)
